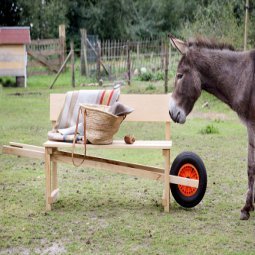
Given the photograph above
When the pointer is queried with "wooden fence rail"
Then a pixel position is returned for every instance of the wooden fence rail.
(114, 59)
(46, 55)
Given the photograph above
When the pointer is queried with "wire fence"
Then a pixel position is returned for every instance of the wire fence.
(108, 59)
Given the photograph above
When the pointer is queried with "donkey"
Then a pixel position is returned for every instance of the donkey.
(227, 74)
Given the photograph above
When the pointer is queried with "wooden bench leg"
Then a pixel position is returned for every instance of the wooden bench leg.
(54, 175)
(48, 152)
(55, 190)
(166, 192)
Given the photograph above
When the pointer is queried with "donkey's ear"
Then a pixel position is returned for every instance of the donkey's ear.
(178, 44)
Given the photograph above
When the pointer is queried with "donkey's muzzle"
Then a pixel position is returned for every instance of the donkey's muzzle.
(176, 113)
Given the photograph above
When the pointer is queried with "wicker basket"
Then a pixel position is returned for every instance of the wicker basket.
(100, 125)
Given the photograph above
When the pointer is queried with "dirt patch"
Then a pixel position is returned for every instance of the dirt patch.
(209, 116)
(16, 250)
(56, 248)
(25, 94)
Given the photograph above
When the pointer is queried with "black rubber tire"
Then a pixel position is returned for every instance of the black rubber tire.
(196, 161)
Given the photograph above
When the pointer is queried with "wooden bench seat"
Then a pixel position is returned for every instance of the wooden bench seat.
(117, 144)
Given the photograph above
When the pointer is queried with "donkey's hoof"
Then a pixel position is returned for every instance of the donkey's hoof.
(244, 215)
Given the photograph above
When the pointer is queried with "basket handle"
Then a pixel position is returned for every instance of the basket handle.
(75, 135)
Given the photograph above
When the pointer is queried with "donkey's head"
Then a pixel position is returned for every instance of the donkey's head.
(187, 87)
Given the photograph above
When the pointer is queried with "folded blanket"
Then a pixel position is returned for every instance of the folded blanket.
(66, 122)
(55, 136)
(68, 115)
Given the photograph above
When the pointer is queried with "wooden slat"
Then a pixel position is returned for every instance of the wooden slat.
(155, 173)
(115, 162)
(12, 49)
(12, 65)
(43, 72)
(117, 144)
(167, 131)
(29, 153)
(48, 52)
(47, 167)
(184, 181)
(42, 60)
(13, 72)
(5, 58)
(146, 107)
(43, 42)
(150, 172)
(110, 165)
(33, 63)
(166, 203)
(27, 146)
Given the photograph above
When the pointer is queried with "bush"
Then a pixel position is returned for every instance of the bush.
(150, 76)
(7, 83)
(159, 76)
(209, 129)
(150, 87)
(147, 76)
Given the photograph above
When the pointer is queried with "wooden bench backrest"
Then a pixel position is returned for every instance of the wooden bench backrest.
(146, 107)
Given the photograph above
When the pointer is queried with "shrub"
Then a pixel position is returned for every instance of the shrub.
(147, 76)
(150, 87)
(209, 129)
(159, 76)
(8, 83)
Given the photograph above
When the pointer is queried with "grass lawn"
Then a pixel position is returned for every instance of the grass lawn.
(103, 213)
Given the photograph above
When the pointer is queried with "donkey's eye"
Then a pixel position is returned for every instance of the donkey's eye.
(179, 76)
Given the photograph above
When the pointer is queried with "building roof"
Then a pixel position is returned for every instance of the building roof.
(15, 35)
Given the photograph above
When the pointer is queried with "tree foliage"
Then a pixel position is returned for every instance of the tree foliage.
(9, 13)
(131, 19)
(220, 19)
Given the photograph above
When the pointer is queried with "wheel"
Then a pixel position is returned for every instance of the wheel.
(188, 165)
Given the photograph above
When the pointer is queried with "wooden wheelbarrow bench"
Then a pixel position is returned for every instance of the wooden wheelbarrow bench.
(148, 108)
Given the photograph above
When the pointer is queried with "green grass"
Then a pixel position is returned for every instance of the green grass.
(209, 129)
(103, 213)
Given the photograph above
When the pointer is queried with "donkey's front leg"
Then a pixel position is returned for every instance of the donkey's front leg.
(251, 171)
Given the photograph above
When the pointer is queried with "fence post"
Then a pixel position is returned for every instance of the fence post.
(98, 49)
(62, 40)
(72, 64)
(84, 61)
(246, 23)
(162, 54)
(166, 66)
(128, 63)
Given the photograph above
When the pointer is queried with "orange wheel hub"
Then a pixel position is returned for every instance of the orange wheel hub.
(188, 171)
